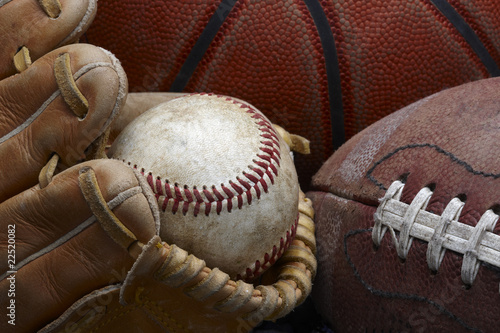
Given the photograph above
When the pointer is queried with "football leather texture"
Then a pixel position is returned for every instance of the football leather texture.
(407, 219)
(321, 69)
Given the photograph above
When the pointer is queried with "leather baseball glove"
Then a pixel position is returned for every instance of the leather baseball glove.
(79, 244)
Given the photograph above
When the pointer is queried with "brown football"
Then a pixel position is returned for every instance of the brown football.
(407, 219)
(321, 69)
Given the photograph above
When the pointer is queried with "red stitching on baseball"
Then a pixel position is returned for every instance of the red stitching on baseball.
(264, 184)
(219, 196)
(178, 195)
(265, 158)
(185, 207)
(272, 137)
(158, 184)
(188, 195)
(249, 197)
(196, 210)
(269, 259)
(181, 197)
(175, 207)
(240, 201)
(258, 171)
(168, 192)
(270, 175)
(237, 188)
(257, 191)
(245, 184)
(262, 164)
(208, 195)
(228, 192)
(197, 194)
(275, 170)
(149, 179)
(251, 177)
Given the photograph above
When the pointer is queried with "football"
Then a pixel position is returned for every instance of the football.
(321, 69)
(407, 219)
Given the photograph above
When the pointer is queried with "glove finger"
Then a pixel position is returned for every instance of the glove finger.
(137, 104)
(40, 26)
(61, 252)
(59, 105)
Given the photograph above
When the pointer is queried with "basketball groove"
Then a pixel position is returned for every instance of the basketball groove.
(202, 45)
(322, 69)
(469, 35)
(332, 71)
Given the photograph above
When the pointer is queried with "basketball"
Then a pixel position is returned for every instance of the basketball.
(321, 69)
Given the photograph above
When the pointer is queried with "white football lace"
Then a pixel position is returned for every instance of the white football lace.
(442, 232)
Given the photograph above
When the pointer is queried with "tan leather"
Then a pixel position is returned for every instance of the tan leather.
(168, 290)
(40, 26)
(37, 120)
(90, 279)
(88, 255)
(107, 278)
(62, 251)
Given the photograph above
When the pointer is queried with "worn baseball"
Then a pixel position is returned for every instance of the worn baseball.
(224, 180)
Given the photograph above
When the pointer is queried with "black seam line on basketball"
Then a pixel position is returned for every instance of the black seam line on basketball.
(332, 71)
(202, 44)
(440, 150)
(468, 34)
(402, 296)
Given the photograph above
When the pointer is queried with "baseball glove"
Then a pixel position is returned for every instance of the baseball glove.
(79, 243)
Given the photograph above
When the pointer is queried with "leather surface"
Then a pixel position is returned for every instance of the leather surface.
(62, 252)
(71, 261)
(447, 142)
(36, 122)
(37, 31)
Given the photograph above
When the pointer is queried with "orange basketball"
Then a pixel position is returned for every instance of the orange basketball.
(322, 69)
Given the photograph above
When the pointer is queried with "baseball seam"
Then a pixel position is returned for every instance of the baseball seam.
(176, 197)
(270, 257)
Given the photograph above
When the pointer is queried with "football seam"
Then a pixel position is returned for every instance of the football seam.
(398, 295)
(440, 150)
(435, 243)
(441, 232)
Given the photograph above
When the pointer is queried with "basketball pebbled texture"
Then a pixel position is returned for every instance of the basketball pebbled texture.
(447, 143)
(321, 69)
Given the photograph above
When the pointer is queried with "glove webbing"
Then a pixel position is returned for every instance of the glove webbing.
(293, 272)
(295, 269)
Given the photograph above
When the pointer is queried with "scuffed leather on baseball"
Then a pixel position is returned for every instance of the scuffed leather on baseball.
(224, 179)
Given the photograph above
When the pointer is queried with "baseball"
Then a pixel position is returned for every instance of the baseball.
(224, 180)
